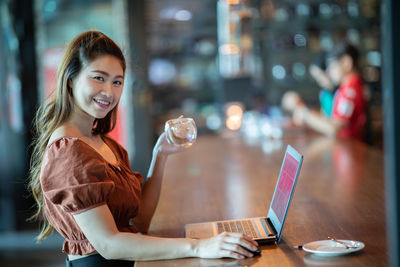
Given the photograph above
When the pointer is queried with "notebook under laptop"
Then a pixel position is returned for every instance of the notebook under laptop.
(263, 229)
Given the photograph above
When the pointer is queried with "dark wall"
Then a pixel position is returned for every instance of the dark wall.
(16, 202)
(391, 99)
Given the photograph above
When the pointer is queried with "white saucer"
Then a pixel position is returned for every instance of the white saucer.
(332, 248)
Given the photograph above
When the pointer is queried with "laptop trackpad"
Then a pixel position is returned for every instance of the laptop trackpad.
(199, 230)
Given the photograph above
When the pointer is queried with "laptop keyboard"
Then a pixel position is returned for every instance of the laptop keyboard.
(242, 226)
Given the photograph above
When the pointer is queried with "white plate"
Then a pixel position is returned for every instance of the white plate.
(332, 248)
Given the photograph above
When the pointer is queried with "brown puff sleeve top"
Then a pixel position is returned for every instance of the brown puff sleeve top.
(76, 178)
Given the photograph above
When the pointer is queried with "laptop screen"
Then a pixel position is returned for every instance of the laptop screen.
(285, 186)
(284, 189)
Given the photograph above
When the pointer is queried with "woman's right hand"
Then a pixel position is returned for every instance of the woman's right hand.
(163, 147)
(226, 245)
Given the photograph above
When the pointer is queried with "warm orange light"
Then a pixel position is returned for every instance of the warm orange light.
(234, 115)
(234, 110)
(232, 2)
(229, 49)
(233, 122)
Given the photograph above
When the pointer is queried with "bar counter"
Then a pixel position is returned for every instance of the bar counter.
(340, 192)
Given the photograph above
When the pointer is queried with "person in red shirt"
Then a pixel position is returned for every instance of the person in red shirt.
(348, 118)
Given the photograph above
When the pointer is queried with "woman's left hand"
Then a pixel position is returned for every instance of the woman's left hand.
(163, 147)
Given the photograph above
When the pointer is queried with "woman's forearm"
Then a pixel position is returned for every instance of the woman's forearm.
(128, 246)
(157, 164)
(151, 192)
(100, 229)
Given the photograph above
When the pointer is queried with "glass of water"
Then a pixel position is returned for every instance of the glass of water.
(181, 132)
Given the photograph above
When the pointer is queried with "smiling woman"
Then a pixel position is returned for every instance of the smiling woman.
(81, 178)
(57, 117)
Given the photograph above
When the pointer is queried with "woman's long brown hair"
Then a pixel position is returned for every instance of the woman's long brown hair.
(82, 50)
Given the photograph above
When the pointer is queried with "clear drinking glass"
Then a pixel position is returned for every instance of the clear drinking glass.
(181, 132)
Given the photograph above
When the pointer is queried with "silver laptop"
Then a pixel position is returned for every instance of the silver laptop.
(263, 229)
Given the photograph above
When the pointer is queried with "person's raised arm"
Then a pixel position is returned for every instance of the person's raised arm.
(302, 115)
(99, 227)
(316, 121)
(152, 186)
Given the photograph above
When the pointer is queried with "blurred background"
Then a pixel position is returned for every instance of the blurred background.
(225, 63)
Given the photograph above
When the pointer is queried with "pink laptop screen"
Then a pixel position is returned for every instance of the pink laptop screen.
(285, 186)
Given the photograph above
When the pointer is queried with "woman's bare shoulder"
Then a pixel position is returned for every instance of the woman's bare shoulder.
(63, 131)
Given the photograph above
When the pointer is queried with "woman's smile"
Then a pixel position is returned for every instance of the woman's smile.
(104, 104)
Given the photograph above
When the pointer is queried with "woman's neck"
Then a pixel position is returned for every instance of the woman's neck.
(83, 123)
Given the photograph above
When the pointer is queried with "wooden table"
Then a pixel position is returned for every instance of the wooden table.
(340, 192)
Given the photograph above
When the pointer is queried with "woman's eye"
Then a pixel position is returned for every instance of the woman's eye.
(99, 78)
(118, 83)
